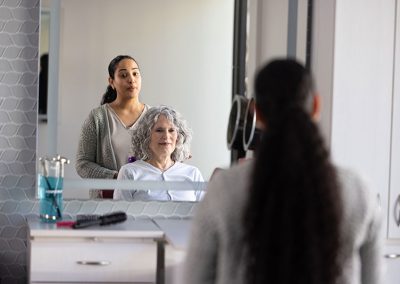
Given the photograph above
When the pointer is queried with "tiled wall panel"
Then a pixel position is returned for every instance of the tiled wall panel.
(19, 37)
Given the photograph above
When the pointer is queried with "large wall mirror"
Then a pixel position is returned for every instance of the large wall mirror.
(184, 49)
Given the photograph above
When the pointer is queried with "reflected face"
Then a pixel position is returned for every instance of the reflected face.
(127, 80)
(163, 138)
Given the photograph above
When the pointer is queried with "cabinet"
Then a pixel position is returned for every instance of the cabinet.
(177, 236)
(391, 273)
(356, 62)
(353, 63)
(119, 253)
(394, 205)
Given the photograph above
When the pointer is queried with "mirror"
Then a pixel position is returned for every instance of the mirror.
(184, 50)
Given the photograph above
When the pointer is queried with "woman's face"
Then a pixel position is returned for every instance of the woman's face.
(163, 138)
(127, 80)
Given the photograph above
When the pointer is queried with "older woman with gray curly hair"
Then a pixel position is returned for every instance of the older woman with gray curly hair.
(144, 133)
(161, 144)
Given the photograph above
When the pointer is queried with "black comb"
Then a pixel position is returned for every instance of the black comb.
(106, 219)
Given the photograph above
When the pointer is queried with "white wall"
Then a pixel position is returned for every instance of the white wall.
(184, 49)
(268, 34)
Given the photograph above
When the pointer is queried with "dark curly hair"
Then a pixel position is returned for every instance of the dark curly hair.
(110, 95)
(292, 219)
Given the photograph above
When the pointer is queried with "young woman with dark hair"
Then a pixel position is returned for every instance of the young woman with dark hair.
(106, 135)
(288, 215)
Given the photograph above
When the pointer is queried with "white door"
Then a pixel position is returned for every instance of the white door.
(394, 204)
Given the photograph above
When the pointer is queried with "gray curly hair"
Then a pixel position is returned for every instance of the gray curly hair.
(142, 134)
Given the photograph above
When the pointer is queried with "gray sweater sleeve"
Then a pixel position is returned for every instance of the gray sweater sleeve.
(201, 259)
(94, 157)
(371, 253)
(362, 256)
(215, 249)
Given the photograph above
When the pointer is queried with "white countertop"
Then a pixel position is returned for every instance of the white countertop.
(128, 228)
(177, 231)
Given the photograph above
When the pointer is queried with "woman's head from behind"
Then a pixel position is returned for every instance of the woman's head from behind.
(159, 129)
(291, 179)
(281, 86)
(124, 78)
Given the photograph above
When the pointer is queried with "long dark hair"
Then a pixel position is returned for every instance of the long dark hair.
(110, 95)
(292, 219)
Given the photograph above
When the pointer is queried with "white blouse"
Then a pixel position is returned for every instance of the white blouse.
(143, 171)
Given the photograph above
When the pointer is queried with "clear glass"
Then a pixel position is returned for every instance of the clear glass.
(50, 188)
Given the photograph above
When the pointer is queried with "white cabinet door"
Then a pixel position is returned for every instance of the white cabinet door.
(92, 260)
(391, 271)
(394, 204)
(362, 91)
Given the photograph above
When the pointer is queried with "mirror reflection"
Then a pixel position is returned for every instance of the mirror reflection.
(183, 48)
(185, 52)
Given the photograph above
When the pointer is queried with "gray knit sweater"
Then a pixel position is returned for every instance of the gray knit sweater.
(95, 157)
(215, 249)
